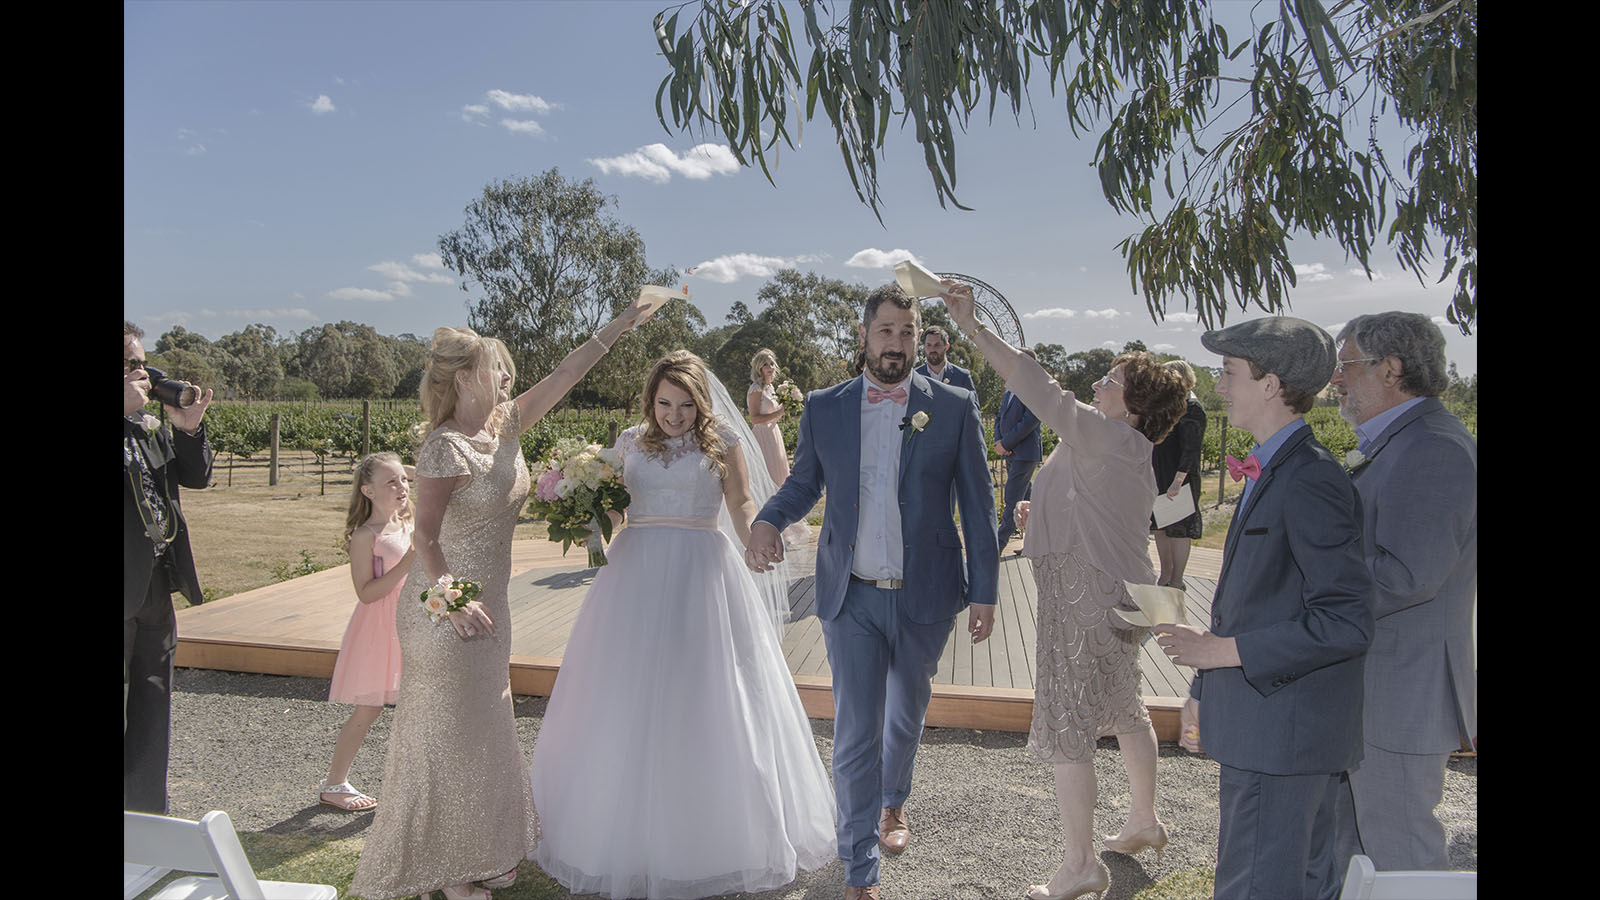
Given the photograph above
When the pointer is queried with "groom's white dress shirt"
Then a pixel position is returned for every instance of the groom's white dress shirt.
(879, 548)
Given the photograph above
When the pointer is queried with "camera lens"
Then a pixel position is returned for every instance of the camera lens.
(171, 391)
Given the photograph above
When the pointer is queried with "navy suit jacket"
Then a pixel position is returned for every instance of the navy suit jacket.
(953, 375)
(1419, 497)
(1296, 595)
(1017, 429)
(946, 459)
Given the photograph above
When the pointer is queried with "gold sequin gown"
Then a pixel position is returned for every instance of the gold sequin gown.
(1087, 662)
(456, 804)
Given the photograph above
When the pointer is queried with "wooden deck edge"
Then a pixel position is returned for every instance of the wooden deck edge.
(952, 705)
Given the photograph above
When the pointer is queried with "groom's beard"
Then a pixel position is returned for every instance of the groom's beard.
(888, 368)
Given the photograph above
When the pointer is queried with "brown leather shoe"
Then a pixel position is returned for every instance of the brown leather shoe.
(852, 892)
(893, 832)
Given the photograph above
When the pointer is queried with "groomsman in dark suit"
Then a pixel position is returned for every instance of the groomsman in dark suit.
(1277, 690)
(1417, 474)
(1016, 437)
(156, 561)
(935, 346)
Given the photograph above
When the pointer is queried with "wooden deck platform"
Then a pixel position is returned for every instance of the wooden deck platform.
(294, 628)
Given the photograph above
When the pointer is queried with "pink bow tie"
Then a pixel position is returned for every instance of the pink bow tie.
(874, 395)
(1250, 468)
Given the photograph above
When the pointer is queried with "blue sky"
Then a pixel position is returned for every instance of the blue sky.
(295, 163)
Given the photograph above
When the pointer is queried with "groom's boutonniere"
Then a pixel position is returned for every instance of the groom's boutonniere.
(916, 423)
(1354, 462)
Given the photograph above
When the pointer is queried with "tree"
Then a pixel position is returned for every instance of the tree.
(1153, 73)
(809, 323)
(1084, 368)
(194, 359)
(347, 359)
(551, 265)
(255, 364)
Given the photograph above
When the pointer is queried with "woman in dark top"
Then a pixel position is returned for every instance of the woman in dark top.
(1176, 461)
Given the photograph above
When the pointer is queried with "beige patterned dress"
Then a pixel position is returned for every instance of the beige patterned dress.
(456, 801)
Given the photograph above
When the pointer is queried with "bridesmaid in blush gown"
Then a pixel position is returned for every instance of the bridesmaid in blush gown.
(457, 806)
(765, 414)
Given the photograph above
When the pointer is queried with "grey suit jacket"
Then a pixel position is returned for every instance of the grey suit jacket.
(1296, 595)
(1419, 495)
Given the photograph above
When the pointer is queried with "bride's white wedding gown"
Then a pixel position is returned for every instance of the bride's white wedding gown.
(675, 759)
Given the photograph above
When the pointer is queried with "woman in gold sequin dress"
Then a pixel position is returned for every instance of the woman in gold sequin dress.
(1087, 526)
(457, 806)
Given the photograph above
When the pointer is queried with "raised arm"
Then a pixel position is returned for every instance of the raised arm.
(534, 402)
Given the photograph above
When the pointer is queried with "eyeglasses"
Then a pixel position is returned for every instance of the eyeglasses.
(134, 365)
(1350, 362)
(1107, 379)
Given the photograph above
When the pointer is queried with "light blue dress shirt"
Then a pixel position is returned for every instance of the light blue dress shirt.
(879, 549)
(1263, 452)
(1368, 431)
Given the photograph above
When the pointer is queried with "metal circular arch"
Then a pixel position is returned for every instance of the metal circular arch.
(992, 306)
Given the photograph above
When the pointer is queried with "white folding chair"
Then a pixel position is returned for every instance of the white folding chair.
(1363, 882)
(209, 845)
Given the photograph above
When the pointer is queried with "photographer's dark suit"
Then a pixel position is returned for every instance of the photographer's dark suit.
(149, 625)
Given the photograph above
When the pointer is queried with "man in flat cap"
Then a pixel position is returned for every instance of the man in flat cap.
(1276, 697)
(1418, 481)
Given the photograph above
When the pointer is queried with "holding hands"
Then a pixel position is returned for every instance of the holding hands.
(765, 548)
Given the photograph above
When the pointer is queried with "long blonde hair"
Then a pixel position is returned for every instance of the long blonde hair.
(763, 356)
(360, 504)
(459, 350)
(687, 372)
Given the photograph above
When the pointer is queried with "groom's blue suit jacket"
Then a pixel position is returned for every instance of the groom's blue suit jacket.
(948, 451)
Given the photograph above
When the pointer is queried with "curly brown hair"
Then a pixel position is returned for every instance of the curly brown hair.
(1152, 392)
(687, 372)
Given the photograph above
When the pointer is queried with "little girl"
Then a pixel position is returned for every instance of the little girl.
(367, 674)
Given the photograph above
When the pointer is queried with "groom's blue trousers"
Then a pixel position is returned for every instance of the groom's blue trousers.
(882, 664)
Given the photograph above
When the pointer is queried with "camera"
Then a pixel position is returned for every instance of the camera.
(171, 391)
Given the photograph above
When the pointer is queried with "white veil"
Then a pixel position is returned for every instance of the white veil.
(773, 586)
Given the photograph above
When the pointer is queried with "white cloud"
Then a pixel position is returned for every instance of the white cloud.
(1188, 317)
(1163, 348)
(656, 162)
(730, 268)
(1112, 345)
(873, 258)
(196, 150)
(1377, 274)
(519, 102)
(322, 105)
(522, 126)
(470, 112)
(430, 261)
(1058, 312)
(400, 272)
(1313, 272)
(258, 314)
(355, 293)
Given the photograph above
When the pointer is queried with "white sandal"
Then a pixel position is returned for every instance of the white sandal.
(350, 794)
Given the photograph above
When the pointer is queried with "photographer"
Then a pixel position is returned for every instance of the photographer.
(156, 560)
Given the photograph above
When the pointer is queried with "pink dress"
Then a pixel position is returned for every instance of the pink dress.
(763, 400)
(368, 670)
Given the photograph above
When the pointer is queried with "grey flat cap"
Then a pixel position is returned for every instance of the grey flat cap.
(1298, 352)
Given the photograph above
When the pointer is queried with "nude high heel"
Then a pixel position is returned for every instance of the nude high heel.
(1094, 883)
(1154, 837)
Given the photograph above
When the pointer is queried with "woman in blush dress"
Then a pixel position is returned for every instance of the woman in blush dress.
(766, 411)
(457, 808)
(675, 759)
(1086, 535)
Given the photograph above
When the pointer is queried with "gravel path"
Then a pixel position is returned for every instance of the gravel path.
(982, 811)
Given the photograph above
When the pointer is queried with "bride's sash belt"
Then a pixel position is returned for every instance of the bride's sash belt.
(699, 523)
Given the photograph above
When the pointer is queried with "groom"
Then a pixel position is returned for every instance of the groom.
(892, 448)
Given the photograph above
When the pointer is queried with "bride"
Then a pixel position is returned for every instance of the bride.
(675, 759)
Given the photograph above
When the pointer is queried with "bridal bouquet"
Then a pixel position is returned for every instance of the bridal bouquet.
(575, 486)
(793, 401)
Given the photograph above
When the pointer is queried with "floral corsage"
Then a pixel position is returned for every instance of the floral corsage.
(1354, 461)
(446, 596)
(915, 423)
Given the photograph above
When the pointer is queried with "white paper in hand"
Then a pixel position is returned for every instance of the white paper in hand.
(1175, 509)
(1157, 604)
(653, 295)
(917, 281)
